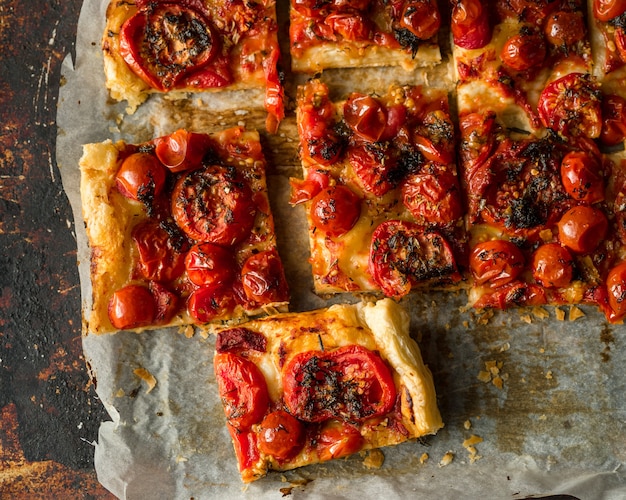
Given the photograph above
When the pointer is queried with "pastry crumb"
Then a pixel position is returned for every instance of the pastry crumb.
(484, 376)
(446, 459)
(526, 318)
(469, 445)
(467, 425)
(560, 314)
(575, 313)
(374, 459)
(549, 375)
(424, 458)
(147, 377)
(540, 312)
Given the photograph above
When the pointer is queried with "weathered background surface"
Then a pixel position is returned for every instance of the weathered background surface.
(49, 413)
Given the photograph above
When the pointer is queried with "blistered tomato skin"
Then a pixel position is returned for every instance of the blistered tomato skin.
(140, 177)
(565, 28)
(524, 51)
(582, 228)
(209, 302)
(496, 262)
(470, 26)
(582, 178)
(616, 287)
(263, 278)
(553, 266)
(210, 264)
(335, 210)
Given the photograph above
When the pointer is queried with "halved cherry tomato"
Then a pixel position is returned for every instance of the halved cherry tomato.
(432, 196)
(140, 177)
(434, 138)
(571, 105)
(281, 435)
(553, 266)
(242, 389)
(210, 264)
(132, 306)
(263, 278)
(523, 51)
(582, 177)
(164, 43)
(161, 257)
(613, 120)
(335, 210)
(240, 339)
(166, 302)
(373, 166)
(616, 287)
(337, 439)
(365, 115)
(477, 137)
(307, 189)
(565, 28)
(350, 383)
(350, 25)
(470, 26)
(214, 204)
(496, 261)
(422, 18)
(605, 10)
(582, 228)
(210, 302)
(182, 150)
(403, 253)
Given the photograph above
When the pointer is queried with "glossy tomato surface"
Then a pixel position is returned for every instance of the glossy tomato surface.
(210, 264)
(605, 10)
(338, 439)
(471, 28)
(182, 150)
(263, 278)
(335, 210)
(496, 262)
(350, 383)
(161, 257)
(553, 266)
(210, 302)
(524, 51)
(432, 196)
(281, 435)
(582, 228)
(581, 174)
(242, 390)
(132, 306)
(140, 177)
(616, 287)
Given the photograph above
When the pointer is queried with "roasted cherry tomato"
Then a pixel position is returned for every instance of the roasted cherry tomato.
(240, 339)
(605, 10)
(210, 302)
(497, 262)
(166, 42)
(553, 266)
(471, 28)
(515, 293)
(324, 149)
(571, 105)
(477, 137)
(616, 287)
(132, 306)
(215, 205)
(524, 51)
(402, 254)
(582, 177)
(335, 210)
(140, 177)
(166, 302)
(210, 264)
(350, 25)
(373, 167)
(246, 449)
(350, 383)
(263, 278)
(281, 435)
(531, 11)
(565, 28)
(613, 120)
(161, 257)
(242, 389)
(366, 116)
(337, 439)
(422, 18)
(432, 196)
(434, 138)
(307, 189)
(182, 150)
(582, 228)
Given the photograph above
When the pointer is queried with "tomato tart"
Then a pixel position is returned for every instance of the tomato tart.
(347, 34)
(380, 190)
(180, 231)
(192, 46)
(304, 388)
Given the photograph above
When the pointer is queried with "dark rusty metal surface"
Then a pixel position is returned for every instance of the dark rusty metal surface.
(49, 413)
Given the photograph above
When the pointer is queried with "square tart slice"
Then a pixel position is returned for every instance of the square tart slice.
(363, 33)
(192, 46)
(380, 190)
(180, 231)
(304, 388)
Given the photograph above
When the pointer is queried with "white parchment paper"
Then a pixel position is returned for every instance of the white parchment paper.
(547, 397)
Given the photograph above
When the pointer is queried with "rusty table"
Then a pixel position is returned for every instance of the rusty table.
(49, 412)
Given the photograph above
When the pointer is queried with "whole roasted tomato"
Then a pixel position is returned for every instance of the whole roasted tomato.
(335, 210)
(140, 177)
(616, 287)
(496, 262)
(263, 278)
(242, 389)
(350, 383)
(210, 302)
(182, 150)
(215, 205)
(523, 51)
(553, 266)
(605, 10)
(161, 257)
(581, 175)
(582, 228)
(165, 42)
(366, 116)
(373, 165)
(613, 120)
(132, 306)
(403, 254)
(470, 26)
(281, 435)
(210, 264)
(565, 28)
(572, 106)
(421, 17)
